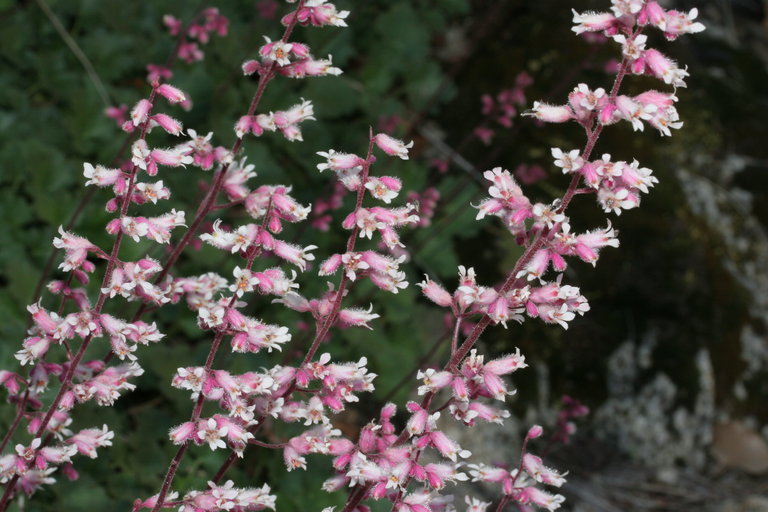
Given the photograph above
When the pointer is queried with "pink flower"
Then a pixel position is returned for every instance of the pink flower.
(276, 51)
(167, 123)
(392, 146)
(540, 498)
(185, 432)
(551, 113)
(88, 440)
(678, 23)
(117, 113)
(435, 293)
(170, 93)
(593, 22)
(534, 466)
(157, 73)
(174, 25)
(140, 111)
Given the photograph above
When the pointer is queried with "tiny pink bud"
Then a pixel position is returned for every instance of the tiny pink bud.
(534, 432)
(436, 293)
(350, 221)
(113, 226)
(171, 93)
(67, 401)
(183, 433)
(392, 146)
(140, 111)
(167, 123)
(250, 67)
(330, 265)
(242, 126)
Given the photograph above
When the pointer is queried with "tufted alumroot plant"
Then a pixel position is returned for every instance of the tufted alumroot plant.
(408, 463)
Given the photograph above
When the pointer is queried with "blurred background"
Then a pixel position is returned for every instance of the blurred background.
(671, 361)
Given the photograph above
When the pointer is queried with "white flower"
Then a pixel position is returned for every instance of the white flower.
(212, 317)
(379, 190)
(244, 281)
(569, 162)
(212, 434)
(591, 98)
(153, 191)
(367, 223)
(547, 214)
(632, 48)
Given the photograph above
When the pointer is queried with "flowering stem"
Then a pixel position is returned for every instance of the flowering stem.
(458, 355)
(538, 240)
(48, 266)
(209, 200)
(325, 326)
(198, 409)
(206, 206)
(66, 380)
(331, 318)
(89, 195)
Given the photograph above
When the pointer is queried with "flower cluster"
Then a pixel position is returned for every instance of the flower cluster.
(94, 380)
(216, 498)
(287, 122)
(208, 22)
(31, 466)
(292, 60)
(519, 484)
(502, 109)
(410, 466)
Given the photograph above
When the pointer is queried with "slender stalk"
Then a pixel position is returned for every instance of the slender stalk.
(455, 337)
(331, 318)
(174, 466)
(503, 503)
(78, 53)
(224, 468)
(271, 446)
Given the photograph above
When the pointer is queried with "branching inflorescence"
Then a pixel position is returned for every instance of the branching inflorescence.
(408, 465)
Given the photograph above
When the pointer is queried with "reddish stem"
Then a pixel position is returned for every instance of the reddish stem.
(174, 466)
(331, 318)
